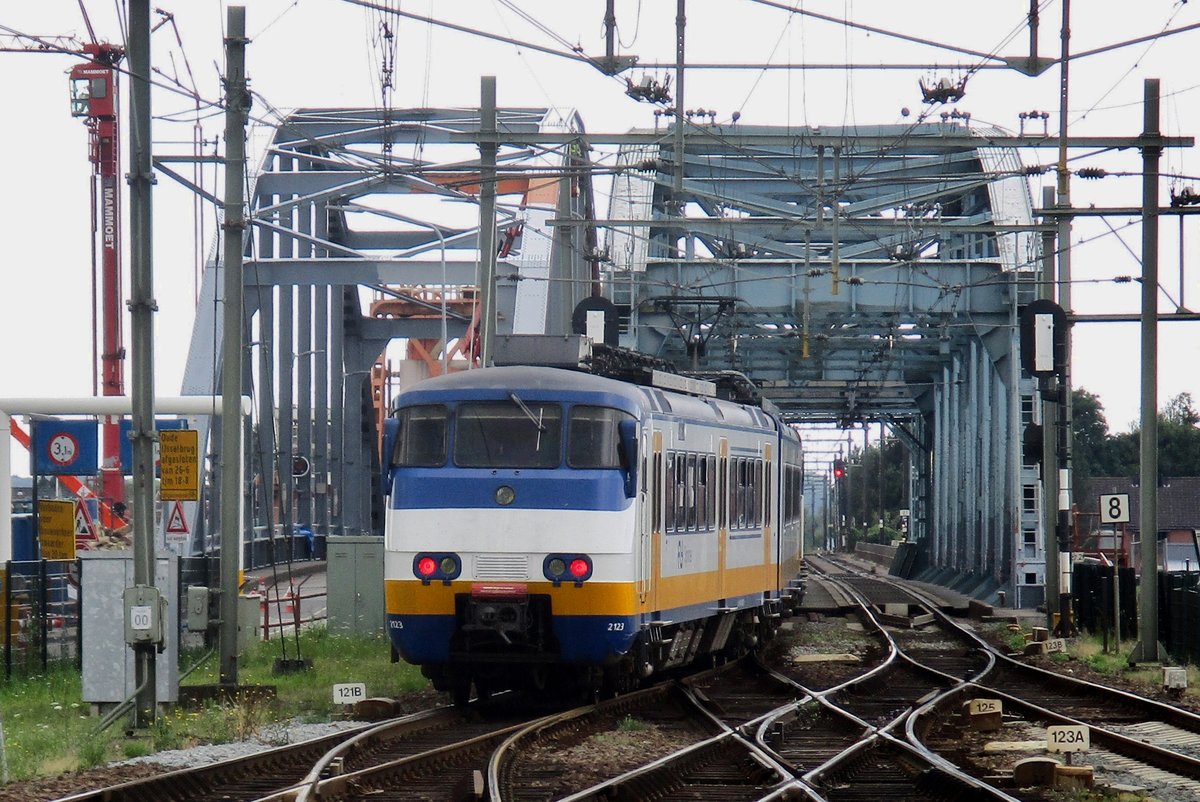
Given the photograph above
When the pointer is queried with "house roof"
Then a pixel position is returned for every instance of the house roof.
(1178, 501)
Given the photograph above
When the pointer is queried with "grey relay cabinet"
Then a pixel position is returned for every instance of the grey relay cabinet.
(355, 584)
(108, 670)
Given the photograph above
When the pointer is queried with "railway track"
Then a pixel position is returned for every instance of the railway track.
(1120, 724)
(741, 694)
(279, 774)
(889, 728)
(528, 766)
(725, 768)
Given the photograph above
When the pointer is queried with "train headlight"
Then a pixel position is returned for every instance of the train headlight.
(443, 566)
(559, 568)
(505, 495)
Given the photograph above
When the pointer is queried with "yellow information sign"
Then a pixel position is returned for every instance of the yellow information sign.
(56, 529)
(179, 465)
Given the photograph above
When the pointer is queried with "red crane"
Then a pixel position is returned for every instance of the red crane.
(94, 99)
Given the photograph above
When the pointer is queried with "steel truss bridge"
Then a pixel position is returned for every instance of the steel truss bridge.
(865, 274)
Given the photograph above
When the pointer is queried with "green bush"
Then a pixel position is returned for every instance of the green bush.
(49, 730)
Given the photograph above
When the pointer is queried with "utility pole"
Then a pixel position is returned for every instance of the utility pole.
(680, 27)
(1049, 417)
(234, 227)
(487, 218)
(144, 596)
(1147, 650)
(1062, 432)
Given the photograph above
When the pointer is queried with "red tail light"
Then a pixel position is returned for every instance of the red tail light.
(573, 568)
(426, 566)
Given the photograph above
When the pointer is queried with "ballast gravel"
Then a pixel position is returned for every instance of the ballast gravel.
(269, 737)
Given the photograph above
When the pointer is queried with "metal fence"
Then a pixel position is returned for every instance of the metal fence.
(1092, 598)
(41, 614)
(41, 602)
(1179, 614)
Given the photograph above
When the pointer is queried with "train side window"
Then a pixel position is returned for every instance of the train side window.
(747, 494)
(747, 482)
(785, 486)
(765, 473)
(797, 498)
(711, 490)
(592, 437)
(723, 494)
(681, 491)
(702, 482)
(692, 496)
(670, 523)
(737, 512)
(758, 492)
(656, 498)
(422, 439)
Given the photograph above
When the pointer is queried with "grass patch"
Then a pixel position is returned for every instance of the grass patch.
(48, 729)
(44, 721)
(1014, 641)
(835, 634)
(1098, 795)
(631, 724)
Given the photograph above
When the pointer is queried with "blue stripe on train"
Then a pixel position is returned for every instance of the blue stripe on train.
(586, 639)
(564, 488)
(422, 638)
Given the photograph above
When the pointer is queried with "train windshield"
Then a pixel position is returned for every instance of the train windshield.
(527, 434)
(422, 440)
(592, 437)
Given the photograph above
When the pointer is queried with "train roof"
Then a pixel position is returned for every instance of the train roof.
(522, 377)
(536, 380)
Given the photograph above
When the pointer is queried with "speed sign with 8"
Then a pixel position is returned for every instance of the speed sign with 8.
(1114, 509)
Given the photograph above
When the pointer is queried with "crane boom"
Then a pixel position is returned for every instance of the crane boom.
(24, 43)
(94, 99)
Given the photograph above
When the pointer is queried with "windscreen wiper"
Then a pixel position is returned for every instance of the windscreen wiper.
(528, 412)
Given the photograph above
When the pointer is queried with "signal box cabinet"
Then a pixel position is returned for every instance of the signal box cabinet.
(355, 584)
(109, 675)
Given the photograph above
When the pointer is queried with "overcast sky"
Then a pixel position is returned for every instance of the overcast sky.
(326, 53)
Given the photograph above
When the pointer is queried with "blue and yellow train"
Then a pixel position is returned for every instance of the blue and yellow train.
(547, 524)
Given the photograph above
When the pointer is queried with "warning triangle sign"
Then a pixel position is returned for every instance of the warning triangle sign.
(176, 522)
(83, 521)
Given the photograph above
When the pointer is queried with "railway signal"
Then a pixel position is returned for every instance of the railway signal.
(839, 469)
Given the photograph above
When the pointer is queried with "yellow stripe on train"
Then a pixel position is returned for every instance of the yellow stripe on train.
(411, 597)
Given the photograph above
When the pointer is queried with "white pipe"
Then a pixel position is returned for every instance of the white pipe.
(5, 487)
(87, 405)
(116, 405)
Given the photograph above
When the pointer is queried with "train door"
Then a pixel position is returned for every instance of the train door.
(723, 515)
(771, 572)
(651, 529)
(647, 486)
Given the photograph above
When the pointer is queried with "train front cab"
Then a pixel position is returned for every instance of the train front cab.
(532, 566)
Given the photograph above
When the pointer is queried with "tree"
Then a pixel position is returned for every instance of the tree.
(1098, 453)
(1179, 410)
(863, 488)
(1094, 452)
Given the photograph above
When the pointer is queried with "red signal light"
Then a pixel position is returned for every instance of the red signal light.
(579, 568)
(426, 566)
(839, 469)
